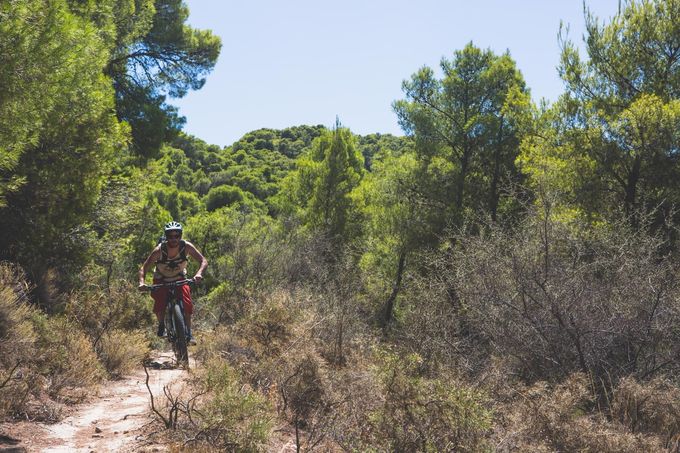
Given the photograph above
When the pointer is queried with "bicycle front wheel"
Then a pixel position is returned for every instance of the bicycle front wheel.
(180, 343)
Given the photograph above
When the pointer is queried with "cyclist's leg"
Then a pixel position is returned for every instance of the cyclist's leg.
(188, 304)
(159, 298)
(188, 307)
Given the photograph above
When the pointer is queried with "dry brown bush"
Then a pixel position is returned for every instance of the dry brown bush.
(423, 414)
(18, 350)
(216, 412)
(274, 348)
(40, 356)
(306, 401)
(344, 318)
(557, 300)
(652, 408)
(269, 328)
(122, 351)
(99, 311)
(258, 344)
(548, 418)
(432, 326)
(69, 362)
(255, 262)
(225, 304)
(354, 393)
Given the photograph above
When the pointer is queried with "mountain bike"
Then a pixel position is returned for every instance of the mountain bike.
(175, 326)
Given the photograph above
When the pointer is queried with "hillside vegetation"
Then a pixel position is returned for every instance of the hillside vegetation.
(503, 277)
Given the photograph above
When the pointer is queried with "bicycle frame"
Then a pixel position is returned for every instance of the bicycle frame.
(175, 319)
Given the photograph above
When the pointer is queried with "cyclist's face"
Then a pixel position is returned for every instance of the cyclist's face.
(173, 237)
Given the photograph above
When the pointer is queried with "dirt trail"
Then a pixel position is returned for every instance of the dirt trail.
(114, 421)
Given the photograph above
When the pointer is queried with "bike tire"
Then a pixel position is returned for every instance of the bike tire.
(180, 346)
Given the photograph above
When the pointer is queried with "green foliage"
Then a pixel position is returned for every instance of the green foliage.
(397, 224)
(255, 165)
(221, 196)
(132, 219)
(620, 113)
(26, 50)
(241, 246)
(156, 54)
(321, 188)
(373, 145)
(420, 414)
(466, 130)
(179, 204)
(558, 175)
(73, 145)
(233, 416)
(290, 142)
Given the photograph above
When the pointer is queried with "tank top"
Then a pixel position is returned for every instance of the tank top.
(171, 269)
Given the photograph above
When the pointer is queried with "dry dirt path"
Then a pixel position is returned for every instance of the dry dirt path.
(117, 420)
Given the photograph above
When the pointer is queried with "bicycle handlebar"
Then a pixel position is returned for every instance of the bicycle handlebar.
(187, 281)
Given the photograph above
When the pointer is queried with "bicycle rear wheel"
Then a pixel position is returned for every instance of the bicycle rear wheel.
(180, 340)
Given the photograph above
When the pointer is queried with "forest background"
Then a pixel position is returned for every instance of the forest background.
(503, 277)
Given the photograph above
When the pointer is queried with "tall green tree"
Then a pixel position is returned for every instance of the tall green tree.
(31, 55)
(398, 224)
(321, 189)
(621, 112)
(465, 129)
(68, 151)
(156, 55)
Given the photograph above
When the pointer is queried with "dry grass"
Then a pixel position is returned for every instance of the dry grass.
(69, 361)
(122, 351)
(562, 418)
(651, 408)
(46, 357)
(18, 350)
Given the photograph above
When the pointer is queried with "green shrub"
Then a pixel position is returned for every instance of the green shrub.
(420, 414)
(221, 196)
(231, 416)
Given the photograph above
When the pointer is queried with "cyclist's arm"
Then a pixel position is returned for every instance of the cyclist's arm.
(195, 254)
(150, 261)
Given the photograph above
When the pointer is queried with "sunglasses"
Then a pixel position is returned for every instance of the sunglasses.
(173, 236)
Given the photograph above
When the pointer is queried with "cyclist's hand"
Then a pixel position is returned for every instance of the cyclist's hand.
(198, 278)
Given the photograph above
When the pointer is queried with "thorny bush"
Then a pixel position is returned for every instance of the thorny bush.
(556, 300)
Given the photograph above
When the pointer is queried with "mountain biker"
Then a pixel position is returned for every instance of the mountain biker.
(170, 258)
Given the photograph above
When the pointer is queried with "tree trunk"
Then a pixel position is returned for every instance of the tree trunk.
(464, 164)
(631, 190)
(389, 304)
(495, 179)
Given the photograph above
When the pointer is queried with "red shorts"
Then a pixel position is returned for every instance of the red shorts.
(161, 294)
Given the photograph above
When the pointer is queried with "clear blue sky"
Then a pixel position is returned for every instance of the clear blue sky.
(287, 63)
